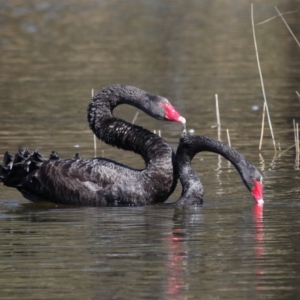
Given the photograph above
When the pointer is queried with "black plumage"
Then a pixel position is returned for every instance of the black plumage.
(101, 181)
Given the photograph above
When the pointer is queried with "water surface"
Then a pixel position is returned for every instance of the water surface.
(53, 54)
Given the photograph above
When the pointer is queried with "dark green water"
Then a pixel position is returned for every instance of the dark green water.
(54, 52)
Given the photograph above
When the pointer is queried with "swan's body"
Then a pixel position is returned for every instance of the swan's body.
(192, 188)
(100, 181)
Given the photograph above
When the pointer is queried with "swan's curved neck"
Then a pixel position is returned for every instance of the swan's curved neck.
(121, 134)
(189, 146)
(192, 188)
(194, 144)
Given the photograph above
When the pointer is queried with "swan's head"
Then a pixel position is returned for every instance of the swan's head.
(160, 108)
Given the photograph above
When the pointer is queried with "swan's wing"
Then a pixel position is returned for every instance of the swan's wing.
(95, 181)
(86, 182)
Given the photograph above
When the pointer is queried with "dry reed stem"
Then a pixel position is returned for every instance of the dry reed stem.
(274, 17)
(262, 127)
(298, 153)
(228, 137)
(297, 137)
(286, 150)
(297, 161)
(266, 108)
(297, 147)
(262, 162)
(218, 117)
(294, 128)
(287, 26)
(229, 144)
(135, 117)
(95, 140)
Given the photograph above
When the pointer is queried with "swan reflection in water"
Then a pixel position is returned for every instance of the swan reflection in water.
(258, 211)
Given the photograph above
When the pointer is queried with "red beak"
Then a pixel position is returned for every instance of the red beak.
(172, 114)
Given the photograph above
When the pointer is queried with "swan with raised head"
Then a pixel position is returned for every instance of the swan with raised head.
(101, 181)
(192, 188)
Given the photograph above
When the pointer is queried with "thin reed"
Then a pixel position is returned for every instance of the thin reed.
(135, 117)
(218, 117)
(287, 26)
(270, 19)
(266, 108)
(228, 137)
(296, 135)
(95, 139)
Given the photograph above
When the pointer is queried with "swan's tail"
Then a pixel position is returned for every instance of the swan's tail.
(16, 167)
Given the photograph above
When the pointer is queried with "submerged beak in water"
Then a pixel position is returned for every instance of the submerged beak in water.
(257, 192)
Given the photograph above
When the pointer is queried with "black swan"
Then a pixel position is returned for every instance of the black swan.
(192, 189)
(100, 181)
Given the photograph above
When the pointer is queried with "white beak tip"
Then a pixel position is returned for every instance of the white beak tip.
(260, 202)
(181, 120)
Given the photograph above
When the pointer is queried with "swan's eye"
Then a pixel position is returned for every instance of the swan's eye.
(259, 179)
(151, 97)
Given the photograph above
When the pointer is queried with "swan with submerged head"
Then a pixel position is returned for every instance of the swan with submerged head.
(101, 181)
(192, 188)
